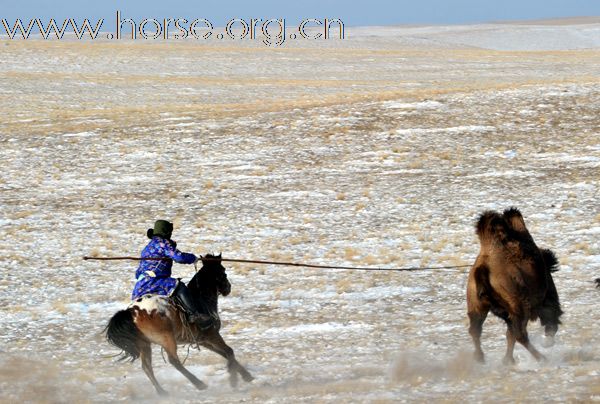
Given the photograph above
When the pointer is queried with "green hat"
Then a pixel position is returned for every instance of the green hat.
(162, 228)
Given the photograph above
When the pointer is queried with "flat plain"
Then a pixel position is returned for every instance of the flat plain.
(379, 150)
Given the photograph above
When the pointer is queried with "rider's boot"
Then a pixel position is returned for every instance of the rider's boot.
(202, 320)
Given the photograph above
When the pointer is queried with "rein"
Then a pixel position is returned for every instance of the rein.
(291, 264)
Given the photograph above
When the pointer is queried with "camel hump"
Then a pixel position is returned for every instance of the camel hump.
(550, 260)
(514, 219)
(491, 226)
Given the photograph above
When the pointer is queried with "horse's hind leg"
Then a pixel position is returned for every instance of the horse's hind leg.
(215, 343)
(146, 358)
(170, 347)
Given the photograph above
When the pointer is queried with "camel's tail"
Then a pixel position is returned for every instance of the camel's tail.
(550, 260)
(550, 311)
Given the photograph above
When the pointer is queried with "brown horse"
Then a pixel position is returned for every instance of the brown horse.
(157, 320)
(512, 278)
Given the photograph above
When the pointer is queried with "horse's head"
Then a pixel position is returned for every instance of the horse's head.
(213, 269)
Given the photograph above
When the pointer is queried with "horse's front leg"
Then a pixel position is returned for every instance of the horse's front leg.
(215, 343)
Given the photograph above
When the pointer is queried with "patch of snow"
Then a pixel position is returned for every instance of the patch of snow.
(80, 134)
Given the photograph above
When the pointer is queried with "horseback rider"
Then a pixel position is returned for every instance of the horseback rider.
(154, 276)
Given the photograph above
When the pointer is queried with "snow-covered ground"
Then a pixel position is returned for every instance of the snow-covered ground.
(503, 37)
(378, 150)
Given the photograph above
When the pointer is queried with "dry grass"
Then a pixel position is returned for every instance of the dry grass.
(237, 326)
(22, 214)
(351, 254)
(344, 285)
(325, 136)
(130, 112)
(416, 164)
(582, 247)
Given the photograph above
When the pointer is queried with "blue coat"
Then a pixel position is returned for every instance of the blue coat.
(155, 276)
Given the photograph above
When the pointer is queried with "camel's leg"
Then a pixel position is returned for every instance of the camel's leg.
(520, 332)
(478, 306)
(146, 358)
(510, 345)
(475, 328)
(170, 347)
(215, 343)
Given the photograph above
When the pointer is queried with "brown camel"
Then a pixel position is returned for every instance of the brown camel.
(512, 277)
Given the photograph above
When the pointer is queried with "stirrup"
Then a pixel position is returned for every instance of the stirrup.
(203, 321)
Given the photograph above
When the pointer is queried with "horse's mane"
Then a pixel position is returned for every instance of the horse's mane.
(208, 261)
(203, 284)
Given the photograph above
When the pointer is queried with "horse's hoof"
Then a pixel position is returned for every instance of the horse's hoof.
(248, 378)
(508, 361)
(478, 356)
(162, 393)
(200, 385)
(547, 342)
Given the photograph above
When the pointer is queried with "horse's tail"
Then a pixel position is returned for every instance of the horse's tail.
(122, 333)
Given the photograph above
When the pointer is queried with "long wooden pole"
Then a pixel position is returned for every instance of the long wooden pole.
(292, 264)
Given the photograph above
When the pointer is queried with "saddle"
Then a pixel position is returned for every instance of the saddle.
(160, 304)
(204, 323)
